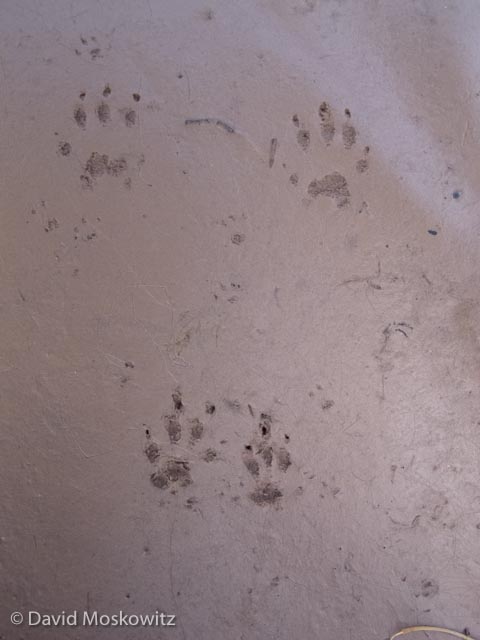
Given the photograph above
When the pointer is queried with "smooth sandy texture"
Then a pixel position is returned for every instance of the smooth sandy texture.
(239, 349)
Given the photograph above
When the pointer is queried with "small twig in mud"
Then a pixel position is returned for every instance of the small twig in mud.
(449, 632)
(218, 123)
(273, 151)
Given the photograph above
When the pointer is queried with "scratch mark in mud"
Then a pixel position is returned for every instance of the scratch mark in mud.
(273, 151)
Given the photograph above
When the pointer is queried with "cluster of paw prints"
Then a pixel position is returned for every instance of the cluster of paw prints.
(172, 471)
(332, 185)
(265, 460)
(100, 164)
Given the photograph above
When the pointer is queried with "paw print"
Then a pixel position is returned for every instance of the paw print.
(265, 460)
(172, 467)
(339, 167)
(90, 114)
(91, 47)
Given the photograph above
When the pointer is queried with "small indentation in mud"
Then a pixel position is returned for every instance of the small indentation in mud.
(362, 165)
(129, 365)
(267, 455)
(429, 588)
(117, 166)
(295, 120)
(177, 401)
(82, 95)
(136, 97)
(210, 455)
(80, 117)
(327, 404)
(196, 429)
(456, 195)
(210, 408)
(52, 224)
(173, 428)
(349, 135)
(432, 232)
(86, 182)
(95, 53)
(250, 463)
(294, 179)
(238, 238)
(333, 185)
(283, 459)
(107, 91)
(173, 471)
(191, 502)
(153, 452)
(130, 118)
(99, 164)
(303, 139)
(233, 405)
(64, 148)
(159, 480)
(103, 112)
(327, 123)
(265, 425)
(266, 494)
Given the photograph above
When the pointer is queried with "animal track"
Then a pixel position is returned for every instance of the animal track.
(98, 165)
(103, 110)
(265, 460)
(327, 122)
(91, 47)
(80, 116)
(334, 184)
(172, 471)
